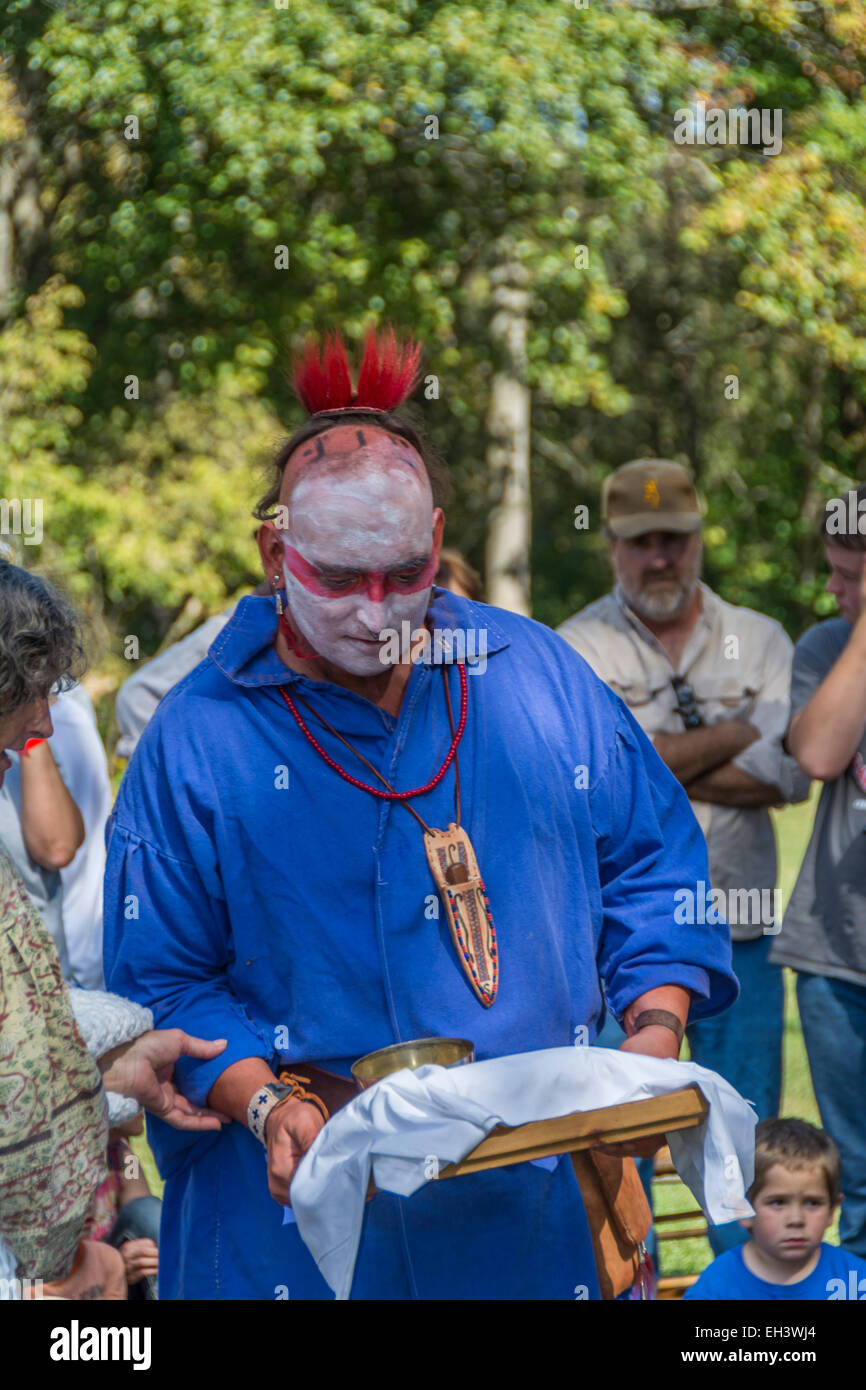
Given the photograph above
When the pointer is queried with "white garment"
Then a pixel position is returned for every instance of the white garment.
(407, 1124)
(80, 756)
(139, 696)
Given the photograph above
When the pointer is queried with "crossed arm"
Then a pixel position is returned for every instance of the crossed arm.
(702, 759)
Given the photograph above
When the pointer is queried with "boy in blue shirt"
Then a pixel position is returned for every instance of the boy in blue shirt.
(795, 1194)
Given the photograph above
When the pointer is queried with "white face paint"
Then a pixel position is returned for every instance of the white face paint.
(370, 533)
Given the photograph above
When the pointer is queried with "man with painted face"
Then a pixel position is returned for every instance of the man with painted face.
(268, 877)
(368, 505)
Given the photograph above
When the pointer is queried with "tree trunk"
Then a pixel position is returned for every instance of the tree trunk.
(22, 222)
(811, 439)
(507, 455)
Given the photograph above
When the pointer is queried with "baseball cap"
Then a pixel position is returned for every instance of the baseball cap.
(649, 495)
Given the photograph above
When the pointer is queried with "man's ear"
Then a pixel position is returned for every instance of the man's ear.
(438, 529)
(270, 550)
(747, 1223)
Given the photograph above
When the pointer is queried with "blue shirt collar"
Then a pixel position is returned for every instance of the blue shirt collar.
(244, 649)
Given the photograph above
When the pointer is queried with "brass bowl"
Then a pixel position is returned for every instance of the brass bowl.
(444, 1052)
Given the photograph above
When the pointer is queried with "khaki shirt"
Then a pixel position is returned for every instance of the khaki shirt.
(738, 663)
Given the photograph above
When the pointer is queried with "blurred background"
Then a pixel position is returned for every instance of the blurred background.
(188, 186)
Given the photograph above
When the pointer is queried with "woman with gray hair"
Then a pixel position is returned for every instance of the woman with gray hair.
(71, 1061)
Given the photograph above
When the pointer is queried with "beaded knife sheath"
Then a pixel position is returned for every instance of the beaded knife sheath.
(454, 867)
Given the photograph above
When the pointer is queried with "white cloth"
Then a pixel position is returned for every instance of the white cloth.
(412, 1123)
(106, 1021)
(80, 756)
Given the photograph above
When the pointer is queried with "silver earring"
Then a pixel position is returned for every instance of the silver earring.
(277, 596)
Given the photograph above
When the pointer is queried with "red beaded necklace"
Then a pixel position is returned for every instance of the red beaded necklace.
(449, 852)
(389, 795)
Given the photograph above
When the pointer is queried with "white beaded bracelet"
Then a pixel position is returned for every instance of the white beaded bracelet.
(259, 1109)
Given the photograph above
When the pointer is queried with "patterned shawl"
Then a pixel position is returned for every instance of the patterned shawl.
(53, 1123)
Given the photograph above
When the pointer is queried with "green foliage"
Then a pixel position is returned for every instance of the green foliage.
(307, 129)
(159, 522)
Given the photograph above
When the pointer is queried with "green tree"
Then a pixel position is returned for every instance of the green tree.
(193, 186)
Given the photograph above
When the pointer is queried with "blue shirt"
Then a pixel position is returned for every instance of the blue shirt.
(837, 1275)
(251, 893)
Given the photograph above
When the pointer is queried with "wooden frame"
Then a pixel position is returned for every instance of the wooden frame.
(610, 1124)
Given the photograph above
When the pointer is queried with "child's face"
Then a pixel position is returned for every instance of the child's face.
(792, 1212)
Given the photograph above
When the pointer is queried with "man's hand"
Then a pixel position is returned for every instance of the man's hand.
(141, 1258)
(289, 1130)
(653, 1041)
(143, 1069)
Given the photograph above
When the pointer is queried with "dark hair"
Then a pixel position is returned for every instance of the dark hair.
(795, 1145)
(40, 639)
(386, 420)
(845, 538)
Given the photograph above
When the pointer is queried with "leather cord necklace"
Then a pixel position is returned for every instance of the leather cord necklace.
(449, 852)
(390, 794)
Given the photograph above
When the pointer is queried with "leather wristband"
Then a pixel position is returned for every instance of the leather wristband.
(659, 1018)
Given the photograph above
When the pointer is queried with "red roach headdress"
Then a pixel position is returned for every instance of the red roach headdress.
(388, 373)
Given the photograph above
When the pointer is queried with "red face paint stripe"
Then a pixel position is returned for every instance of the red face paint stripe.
(376, 582)
(309, 577)
(425, 578)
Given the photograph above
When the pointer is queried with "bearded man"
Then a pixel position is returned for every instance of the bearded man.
(710, 684)
(273, 866)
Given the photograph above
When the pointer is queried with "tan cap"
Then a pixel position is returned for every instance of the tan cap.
(649, 495)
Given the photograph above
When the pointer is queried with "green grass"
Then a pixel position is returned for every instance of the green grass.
(793, 827)
(140, 1147)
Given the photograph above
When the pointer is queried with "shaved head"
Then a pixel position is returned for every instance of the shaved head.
(351, 449)
(361, 543)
